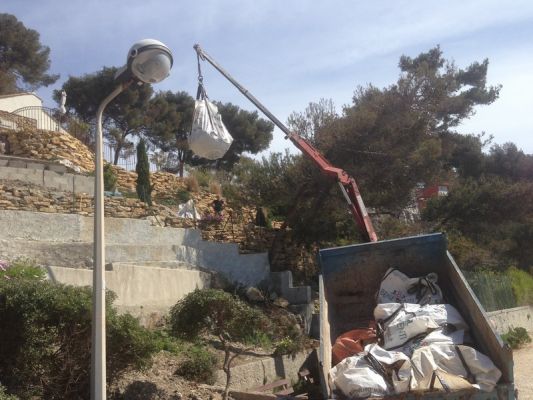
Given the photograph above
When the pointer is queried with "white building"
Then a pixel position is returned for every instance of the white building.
(27, 105)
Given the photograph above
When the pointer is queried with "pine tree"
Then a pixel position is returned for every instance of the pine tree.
(144, 190)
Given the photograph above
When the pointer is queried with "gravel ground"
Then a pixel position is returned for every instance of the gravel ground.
(523, 368)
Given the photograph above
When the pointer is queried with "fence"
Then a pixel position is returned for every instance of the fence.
(494, 290)
(128, 163)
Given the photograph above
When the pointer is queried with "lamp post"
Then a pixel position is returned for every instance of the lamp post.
(149, 61)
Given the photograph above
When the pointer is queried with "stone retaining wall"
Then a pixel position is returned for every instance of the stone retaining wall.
(48, 145)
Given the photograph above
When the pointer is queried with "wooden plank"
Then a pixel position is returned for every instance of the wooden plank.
(273, 385)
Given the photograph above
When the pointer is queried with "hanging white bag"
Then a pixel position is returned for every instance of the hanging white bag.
(448, 367)
(209, 137)
(374, 372)
(396, 287)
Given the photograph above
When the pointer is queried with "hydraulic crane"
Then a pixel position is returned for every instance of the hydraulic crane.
(346, 183)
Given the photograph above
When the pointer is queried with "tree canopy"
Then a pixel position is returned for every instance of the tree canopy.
(123, 118)
(24, 61)
(169, 121)
(389, 139)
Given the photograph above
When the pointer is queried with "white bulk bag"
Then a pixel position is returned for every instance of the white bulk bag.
(209, 137)
(402, 322)
(441, 335)
(188, 211)
(356, 377)
(396, 287)
(445, 362)
(440, 313)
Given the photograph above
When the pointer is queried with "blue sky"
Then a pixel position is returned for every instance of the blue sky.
(289, 53)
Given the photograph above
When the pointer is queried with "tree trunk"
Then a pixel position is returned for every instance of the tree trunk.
(227, 369)
(118, 148)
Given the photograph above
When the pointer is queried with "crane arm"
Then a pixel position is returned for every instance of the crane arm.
(346, 183)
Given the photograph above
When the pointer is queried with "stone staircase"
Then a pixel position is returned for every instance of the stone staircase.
(149, 267)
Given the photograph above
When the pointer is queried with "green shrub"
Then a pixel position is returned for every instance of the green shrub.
(203, 177)
(522, 283)
(21, 268)
(200, 365)
(5, 396)
(192, 184)
(143, 186)
(46, 337)
(183, 196)
(110, 178)
(516, 337)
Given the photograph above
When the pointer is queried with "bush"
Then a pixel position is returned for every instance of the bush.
(46, 337)
(110, 178)
(5, 396)
(516, 337)
(143, 186)
(203, 177)
(200, 365)
(522, 283)
(192, 184)
(215, 188)
(21, 268)
(183, 196)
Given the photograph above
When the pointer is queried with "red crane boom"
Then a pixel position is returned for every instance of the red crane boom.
(346, 182)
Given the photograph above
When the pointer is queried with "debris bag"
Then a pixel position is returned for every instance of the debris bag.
(352, 343)
(443, 335)
(374, 372)
(396, 287)
(188, 210)
(399, 323)
(390, 313)
(446, 367)
(209, 137)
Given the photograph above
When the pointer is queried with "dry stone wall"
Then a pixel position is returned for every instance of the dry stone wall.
(237, 225)
(48, 145)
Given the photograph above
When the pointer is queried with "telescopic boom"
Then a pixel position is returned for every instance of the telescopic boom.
(346, 182)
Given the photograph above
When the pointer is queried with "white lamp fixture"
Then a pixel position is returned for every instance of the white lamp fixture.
(149, 61)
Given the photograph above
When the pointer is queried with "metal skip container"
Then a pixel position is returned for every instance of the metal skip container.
(351, 276)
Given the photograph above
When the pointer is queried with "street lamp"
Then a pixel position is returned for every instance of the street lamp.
(149, 61)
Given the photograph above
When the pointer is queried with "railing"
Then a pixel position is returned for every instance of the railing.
(51, 119)
(48, 119)
(128, 162)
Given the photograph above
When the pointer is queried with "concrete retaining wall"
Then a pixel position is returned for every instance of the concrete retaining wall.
(503, 320)
(140, 290)
(36, 173)
(266, 370)
(66, 240)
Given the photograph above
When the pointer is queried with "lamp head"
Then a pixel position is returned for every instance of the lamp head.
(149, 61)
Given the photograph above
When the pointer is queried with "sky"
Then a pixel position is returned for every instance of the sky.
(289, 53)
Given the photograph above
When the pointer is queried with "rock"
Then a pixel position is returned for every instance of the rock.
(281, 302)
(254, 294)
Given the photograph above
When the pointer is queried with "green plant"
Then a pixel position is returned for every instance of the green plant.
(203, 177)
(183, 196)
(516, 337)
(200, 365)
(522, 283)
(5, 396)
(47, 329)
(21, 268)
(110, 178)
(192, 183)
(221, 314)
(143, 187)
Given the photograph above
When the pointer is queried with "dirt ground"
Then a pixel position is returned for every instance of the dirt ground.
(523, 368)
